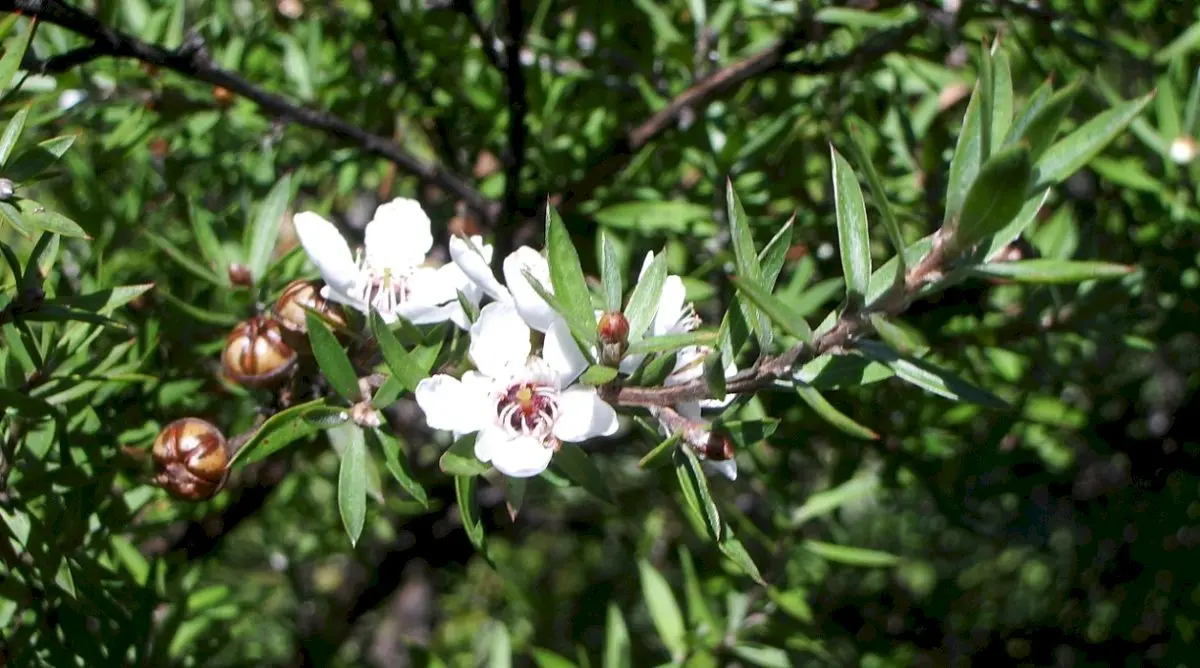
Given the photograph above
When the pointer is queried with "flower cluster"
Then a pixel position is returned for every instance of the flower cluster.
(521, 403)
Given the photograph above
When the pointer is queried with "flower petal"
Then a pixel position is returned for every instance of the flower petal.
(398, 237)
(582, 414)
(727, 468)
(670, 307)
(453, 405)
(529, 303)
(328, 251)
(499, 340)
(514, 456)
(473, 257)
(562, 354)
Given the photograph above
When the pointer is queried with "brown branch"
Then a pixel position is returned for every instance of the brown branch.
(192, 61)
(851, 325)
(514, 155)
(726, 81)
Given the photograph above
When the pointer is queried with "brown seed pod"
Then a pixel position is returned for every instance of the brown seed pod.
(191, 459)
(291, 306)
(256, 355)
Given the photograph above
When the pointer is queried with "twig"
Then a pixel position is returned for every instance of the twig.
(771, 368)
(724, 82)
(487, 38)
(192, 61)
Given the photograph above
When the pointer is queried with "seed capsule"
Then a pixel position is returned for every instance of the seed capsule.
(290, 311)
(191, 459)
(256, 354)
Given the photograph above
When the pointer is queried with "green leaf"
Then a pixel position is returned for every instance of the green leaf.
(824, 502)
(853, 232)
(332, 358)
(12, 133)
(643, 301)
(903, 338)
(404, 368)
(987, 98)
(388, 393)
(34, 161)
(774, 254)
(596, 375)
(203, 315)
(661, 453)
(206, 238)
(1033, 106)
(38, 216)
(1002, 95)
(287, 427)
(695, 491)
(674, 216)
(397, 465)
(184, 260)
(616, 640)
(965, 163)
(566, 276)
(746, 258)
(780, 313)
(832, 415)
(1047, 270)
(853, 556)
(1070, 153)
(762, 655)
(9, 214)
(352, 486)
(544, 658)
(14, 51)
(577, 467)
(671, 342)
(733, 548)
(664, 610)
(929, 377)
(1041, 127)
(104, 301)
(459, 459)
(264, 229)
(862, 156)
(610, 274)
(700, 617)
(464, 491)
(995, 198)
(500, 652)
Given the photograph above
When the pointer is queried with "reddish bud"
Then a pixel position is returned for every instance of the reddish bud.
(222, 95)
(239, 274)
(614, 336)
(191, 459)
(718, 447)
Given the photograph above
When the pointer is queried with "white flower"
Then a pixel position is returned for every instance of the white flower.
(521, 406)
(389, 275)
(520, 293)
(70, 97)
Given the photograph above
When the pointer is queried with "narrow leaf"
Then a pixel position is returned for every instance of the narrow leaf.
(577, 467)
(403, 367)
(853, 233)
(891, 225)
(264, 229)
(643, 301)
(38, 216)
(1070, 153)
(14, 52)
(694, 485)
(929, 377)
(733, 548)
(332, 358)
(995, 198)
(664, 610)
(965, 163)
(832, 415)
(459, 459)
(12, 133)
(670, 342)
(1047, 270)
(1041, 128)
(746, 258)
(566, 276)
(774, 254)
(852, 556)
(616, 640)
(287, 427)
(610, 273)
(779, 313)
(397, 465)
(352, 486)
(824, 502)
(464, 491)
(596, 375)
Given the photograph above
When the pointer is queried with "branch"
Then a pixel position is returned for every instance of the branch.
(192, 61)
(723, 83)
(771, 368)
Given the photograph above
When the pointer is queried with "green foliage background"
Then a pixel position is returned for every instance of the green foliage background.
(1060, 530)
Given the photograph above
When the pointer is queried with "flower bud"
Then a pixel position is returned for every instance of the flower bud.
(222, 95)
(718, 447)
(191, 459)
(256, 355)
(239, 274)
(6, 189)
(290, 308)
(614, 336)
(1183, 150)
